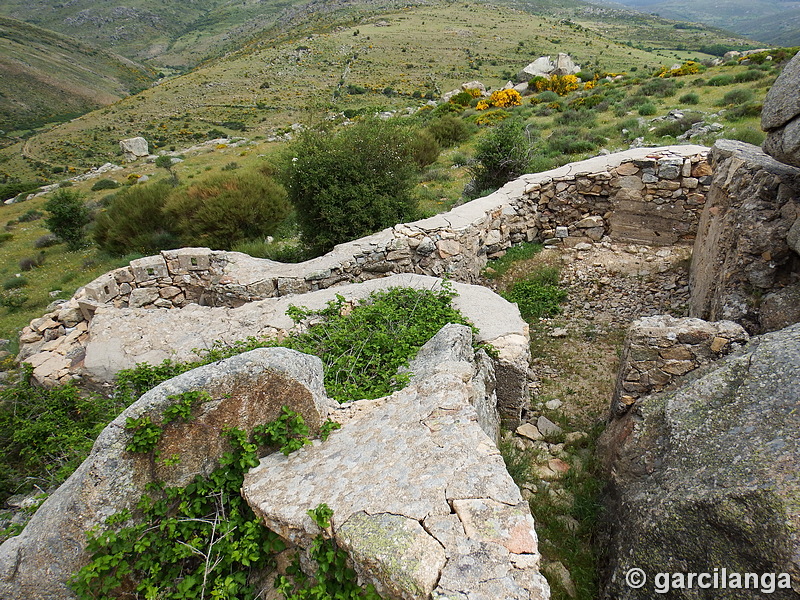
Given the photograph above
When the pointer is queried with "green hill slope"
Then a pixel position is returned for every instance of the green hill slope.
(47, 77)
(772, 22)
(359, 58)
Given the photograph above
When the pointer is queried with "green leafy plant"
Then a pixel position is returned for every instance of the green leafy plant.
(68, 218)
(351, 183)
(502, 155)
(144, 434)
(539, 295)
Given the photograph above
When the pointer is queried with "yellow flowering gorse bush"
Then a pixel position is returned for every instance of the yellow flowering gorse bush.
(560, 84)
(501, 99)
(688, 68)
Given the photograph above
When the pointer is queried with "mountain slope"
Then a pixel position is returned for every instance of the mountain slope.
(770, 21)
(353, 60)
(47, 77)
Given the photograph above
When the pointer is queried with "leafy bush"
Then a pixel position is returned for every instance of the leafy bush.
(68, 218)
(688, 68)
(720, 80)
(747, 134)
(29, 262)
(462, 99)
(13, 283)
(4, 237)
(104, 184)
(10, 190)
(539, 295)
(226, 208)
(576, 118)
(660, 88)
(31, 215)
(501, 99)
(13, 300)
(136, 221)
(449, 130)
(690, 98)
(503, 154)
(736, 97)
(351, 183)
(573, 140)
(46, 240)
(424, 147)
(749, 75)
(743, 111)
(46, 433)
(492, 117)
(448, 108)
(647, 109)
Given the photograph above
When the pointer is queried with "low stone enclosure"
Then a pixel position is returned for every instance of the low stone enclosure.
(647, 195)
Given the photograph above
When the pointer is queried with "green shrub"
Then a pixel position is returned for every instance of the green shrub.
(448, 108)
(449, 130)
(46, 433)
(10, 190)
(647, 109)
(749, 75)
(5, 236)
(226, 208)
(104, 184)
(743, 111)
(747, 134)
(658, 87)
(736, 97)
(351, 183)
(573, 140)
(503, 154)
(31, 215)
(539, 295)
(13, 300)
(690, 98)
(720, 80)
(136, 221)
(424, 148)
(13, 283)
(576, 118)
(462, 99)
(68, 218)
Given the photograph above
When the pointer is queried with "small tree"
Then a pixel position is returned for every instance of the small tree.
(68, 218)
(165, 162)
(502, 155)
(352, 183)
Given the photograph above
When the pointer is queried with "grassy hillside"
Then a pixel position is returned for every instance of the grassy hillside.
(771, 22)
(46, 77)
(347, 62)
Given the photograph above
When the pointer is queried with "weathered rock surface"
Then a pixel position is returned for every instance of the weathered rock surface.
(659, 349)
(741, 251)
(419, 493)
(246, 390)
(705, 477)
(543, 67)
(119, 338)
(780, 117)
(134, 148)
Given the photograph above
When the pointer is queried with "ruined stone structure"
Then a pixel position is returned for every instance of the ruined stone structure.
(651, 196)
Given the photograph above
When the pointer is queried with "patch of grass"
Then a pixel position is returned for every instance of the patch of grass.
(539, 294)
(498, 267)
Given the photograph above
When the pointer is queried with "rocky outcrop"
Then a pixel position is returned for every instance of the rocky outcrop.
(544, 67)
(245, 391)
(780, 117)
(742, 251)
(705, 477)
(119, 338)
(134, 148)
(420, 495)
(661, 348)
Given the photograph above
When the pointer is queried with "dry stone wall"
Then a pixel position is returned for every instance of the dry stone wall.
(646, 195)
(659, 349)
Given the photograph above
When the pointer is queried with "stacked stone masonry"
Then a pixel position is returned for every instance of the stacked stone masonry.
(660, 349)
(646, 195)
